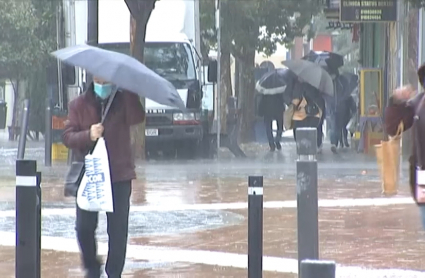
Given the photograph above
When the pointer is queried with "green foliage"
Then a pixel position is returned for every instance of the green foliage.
(25, 43)
(280, 21)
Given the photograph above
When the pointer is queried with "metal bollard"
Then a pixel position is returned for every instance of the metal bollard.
(24, 129)
(28, 219)
(48, 134)
(255, 227)
(317, 269)
(307, 200)
(38, 228)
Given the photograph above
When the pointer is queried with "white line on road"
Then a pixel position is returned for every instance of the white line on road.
(337, 203)
(137, 252)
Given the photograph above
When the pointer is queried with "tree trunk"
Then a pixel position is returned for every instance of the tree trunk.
(137, 44)
(140, 11)
(16, 101)
(237, 77)
(246, 93)
(226, 88)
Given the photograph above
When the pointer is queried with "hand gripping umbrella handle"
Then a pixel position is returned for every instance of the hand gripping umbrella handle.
(105, 112)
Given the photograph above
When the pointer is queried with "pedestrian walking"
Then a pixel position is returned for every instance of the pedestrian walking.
(272, 107)
(408, 107)
(82, 130)
(349, 110)
(309, 110)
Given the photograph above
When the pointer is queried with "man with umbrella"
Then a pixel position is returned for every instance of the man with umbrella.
(313, 85)
(272, 86)
(104, 111)
(82, 129)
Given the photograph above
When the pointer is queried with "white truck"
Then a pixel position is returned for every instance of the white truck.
(172, 50)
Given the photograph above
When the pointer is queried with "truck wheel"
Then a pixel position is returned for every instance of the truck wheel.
(207, 147)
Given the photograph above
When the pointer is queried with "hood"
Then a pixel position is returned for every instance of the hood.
(150, 104)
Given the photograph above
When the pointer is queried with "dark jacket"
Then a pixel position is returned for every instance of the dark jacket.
(312, 95)
(405, 112)
(271, 106)
(84, 111)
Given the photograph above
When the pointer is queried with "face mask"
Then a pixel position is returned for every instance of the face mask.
(103, 90)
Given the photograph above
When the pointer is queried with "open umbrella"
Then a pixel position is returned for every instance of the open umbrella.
(313, 74)
(330, 60)
(275, 82)
(122, 70)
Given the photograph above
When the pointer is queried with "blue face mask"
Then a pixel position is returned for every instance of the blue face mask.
(103, 90)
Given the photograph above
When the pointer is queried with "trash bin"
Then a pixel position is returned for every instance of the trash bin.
(3, 114)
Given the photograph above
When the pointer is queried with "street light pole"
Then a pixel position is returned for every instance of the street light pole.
(218, 26)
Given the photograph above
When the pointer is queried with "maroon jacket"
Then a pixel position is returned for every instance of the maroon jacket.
(84, 111)
(405, 112)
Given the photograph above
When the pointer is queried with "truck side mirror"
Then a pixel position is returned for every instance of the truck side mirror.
(212, 71)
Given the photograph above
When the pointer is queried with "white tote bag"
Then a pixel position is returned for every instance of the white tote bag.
(95, 191)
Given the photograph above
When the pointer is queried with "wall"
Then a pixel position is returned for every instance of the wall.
(322, 43)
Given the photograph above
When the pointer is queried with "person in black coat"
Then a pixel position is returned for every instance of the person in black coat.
(350, 109)
(271, 107)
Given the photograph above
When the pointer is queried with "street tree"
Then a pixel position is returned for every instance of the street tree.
(140, 11)
(25, 42)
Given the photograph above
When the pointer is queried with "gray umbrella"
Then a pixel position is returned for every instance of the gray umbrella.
(311, 73)
(122, 70)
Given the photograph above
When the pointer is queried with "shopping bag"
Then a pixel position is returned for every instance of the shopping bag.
(388, 158)
(95, 191)
(352, 124)
(287, 117)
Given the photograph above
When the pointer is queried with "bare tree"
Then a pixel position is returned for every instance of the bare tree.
(140, 11)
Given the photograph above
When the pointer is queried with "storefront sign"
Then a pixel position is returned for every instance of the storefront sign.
(368, 11)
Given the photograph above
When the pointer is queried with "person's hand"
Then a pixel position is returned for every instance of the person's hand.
(404, 93)
(96, 131)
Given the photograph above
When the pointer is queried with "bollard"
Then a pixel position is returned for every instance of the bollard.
(255, 227)
(38, 227)
(24, 129)
(307, 200)
(48, 134)
(27, 255)
(317, 269)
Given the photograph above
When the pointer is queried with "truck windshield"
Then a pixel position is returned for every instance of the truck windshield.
(171, 60)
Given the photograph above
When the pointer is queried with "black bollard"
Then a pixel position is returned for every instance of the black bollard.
(317, 269)
(38, 228)
(48, 134)
(307, 200)
(24, 129)
(255, 227)
(27, 220)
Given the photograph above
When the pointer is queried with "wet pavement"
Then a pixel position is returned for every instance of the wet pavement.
(189, 218)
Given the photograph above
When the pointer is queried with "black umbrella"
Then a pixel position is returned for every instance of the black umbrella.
(275, 82)
(329, 60)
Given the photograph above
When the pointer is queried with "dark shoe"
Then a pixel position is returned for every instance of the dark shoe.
(94, 272)
(272, 147)
(278, 146)
(333, 148)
